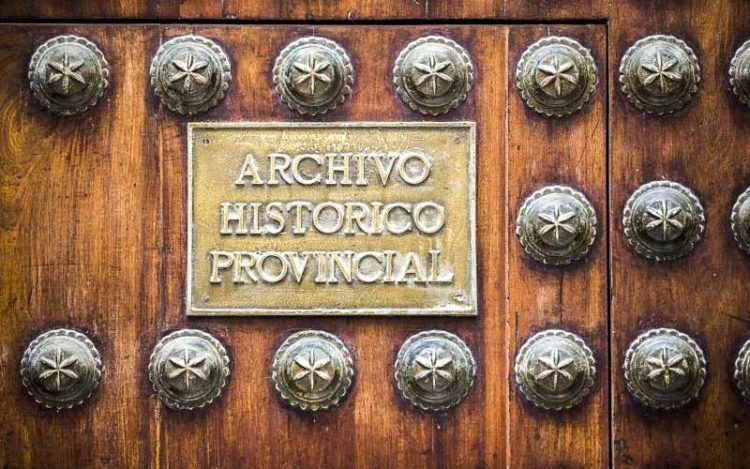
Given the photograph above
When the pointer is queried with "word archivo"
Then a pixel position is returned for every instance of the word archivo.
(298, 218)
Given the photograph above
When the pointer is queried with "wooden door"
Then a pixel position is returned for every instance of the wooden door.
(94, 238)
(705, 293)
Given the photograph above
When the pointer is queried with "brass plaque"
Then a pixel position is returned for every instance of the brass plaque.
(331, 219)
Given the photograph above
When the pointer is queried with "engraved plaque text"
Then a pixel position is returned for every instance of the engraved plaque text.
(331, 219)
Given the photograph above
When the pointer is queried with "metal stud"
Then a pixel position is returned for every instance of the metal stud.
(660, 74)
(739, 73)
(434, 370)
(556, 225)
(555, 370)
(313, 75)
(312, 370)
(190, 74)
(433, 75)
(556, 76)
(188, 369)
(740, 221)
(68, 74)
(61, 369)
(742, 370)
(664, 369)
(663, 220)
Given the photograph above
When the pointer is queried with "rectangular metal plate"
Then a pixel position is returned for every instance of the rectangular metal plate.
(331, 219)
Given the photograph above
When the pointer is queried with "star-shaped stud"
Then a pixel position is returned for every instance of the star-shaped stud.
(189, 70)
(665, 366)
(555, 368)
(433, 366)
(312, 71)
(659, 69)
(433, 70)
(58, 367)
(664, 217)
(65, 71)
(556, 72)
(556, 220)
(312, 368)
(188, 367)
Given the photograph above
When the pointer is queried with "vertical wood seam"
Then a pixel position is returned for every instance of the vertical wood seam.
(508, 240)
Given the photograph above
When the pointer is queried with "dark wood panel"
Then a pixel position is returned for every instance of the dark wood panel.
(69, 190)
(373, 427)
(531, 10)
(66, 9)
(547, 151)
(385, 10)
(306, 10)
(96, 248)
(215, 10)
(322, 9)
(705, 294)
(560, 9)
(73, 253)
(229, 10)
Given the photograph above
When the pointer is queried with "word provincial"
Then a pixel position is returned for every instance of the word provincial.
(339, 219)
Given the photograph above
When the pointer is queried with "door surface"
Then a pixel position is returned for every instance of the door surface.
(97, 223)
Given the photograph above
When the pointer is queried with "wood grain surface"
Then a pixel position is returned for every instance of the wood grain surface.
(340, 10)
(94, 220)
(373, 427)
(542, 152)
(705, 294)
(92, 237)
(80, 244)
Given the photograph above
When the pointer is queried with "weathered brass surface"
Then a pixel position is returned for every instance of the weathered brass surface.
(742, 370)
(663, 220)
(556, 225)
(556, 76)
(68, 74)
(433, 75)
(61, 369)
(555, 369)
(739, 73)
(313, 75)
(664, 368)
(312, 370)
(331, 219)
(740, 221)
(434, 370)
(188, 369)
(190, 74)
(660, 74)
